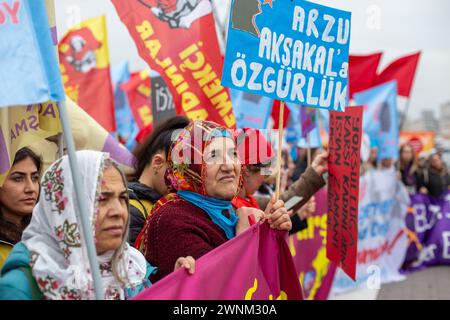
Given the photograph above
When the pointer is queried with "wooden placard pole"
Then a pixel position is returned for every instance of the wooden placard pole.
(280, 145)
(308, 150)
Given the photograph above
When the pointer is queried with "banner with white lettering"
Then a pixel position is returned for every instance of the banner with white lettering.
(428, 228)
(296, 51)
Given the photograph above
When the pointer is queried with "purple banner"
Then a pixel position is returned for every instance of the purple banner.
(308, 249)
(118, 152)
(307, 120)
(256, 265)
(428, 229)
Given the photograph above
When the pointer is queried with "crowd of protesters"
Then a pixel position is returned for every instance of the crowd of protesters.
(196, 186)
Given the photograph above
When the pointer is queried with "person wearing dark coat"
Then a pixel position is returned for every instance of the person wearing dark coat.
(434, 179)
(142, 200)
(149, 185)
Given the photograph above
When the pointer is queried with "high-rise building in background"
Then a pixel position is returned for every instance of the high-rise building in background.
(444, 120)
(429, 121)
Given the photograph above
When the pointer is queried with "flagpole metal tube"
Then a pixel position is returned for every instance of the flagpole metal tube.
(280, 145)
(83, 212)
(222, 28)
(402, 122)
(60, 144)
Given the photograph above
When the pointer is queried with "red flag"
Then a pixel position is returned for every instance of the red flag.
(362, 72)
(84, 64)
(402, 70)
(138, 91)
(276, 114)
(178, 40)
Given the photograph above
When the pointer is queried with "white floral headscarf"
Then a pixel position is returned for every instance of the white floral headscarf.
(59, 260)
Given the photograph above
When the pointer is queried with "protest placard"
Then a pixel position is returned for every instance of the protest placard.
(162, 101)
(381, 118)
(251, 110)
(295, 51)
(343, 189)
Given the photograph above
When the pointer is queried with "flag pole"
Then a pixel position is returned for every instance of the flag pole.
(220, 25)
(60, 144)
(280, 144)
(402, 122)
(86, 226)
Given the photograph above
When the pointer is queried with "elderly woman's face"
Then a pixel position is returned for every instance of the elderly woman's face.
(222, 169)
(113, 212)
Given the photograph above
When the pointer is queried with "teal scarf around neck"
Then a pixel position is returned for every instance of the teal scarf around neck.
(214, 208)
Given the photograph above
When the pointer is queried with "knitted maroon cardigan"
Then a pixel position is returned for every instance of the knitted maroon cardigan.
(179, 229)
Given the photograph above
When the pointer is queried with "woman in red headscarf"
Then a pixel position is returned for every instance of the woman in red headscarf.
(256, 154)
(204, 173)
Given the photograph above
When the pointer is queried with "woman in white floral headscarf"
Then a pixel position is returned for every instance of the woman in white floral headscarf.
(51, 262)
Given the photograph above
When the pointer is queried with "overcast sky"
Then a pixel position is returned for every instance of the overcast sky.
(396, 27)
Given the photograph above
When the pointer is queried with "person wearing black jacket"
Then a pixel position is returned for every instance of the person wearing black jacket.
(142, 199)
(149, 185)
(434, 179)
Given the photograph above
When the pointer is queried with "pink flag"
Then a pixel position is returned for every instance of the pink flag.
(256, 265)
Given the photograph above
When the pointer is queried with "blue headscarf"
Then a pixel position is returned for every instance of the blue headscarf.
(214, 208)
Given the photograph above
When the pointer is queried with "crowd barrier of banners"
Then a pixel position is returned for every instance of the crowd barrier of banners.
(256, 265)
(303, 60)
(382, 240)
(428, 228)
(84, 64)
(397, 234)
(192, 65)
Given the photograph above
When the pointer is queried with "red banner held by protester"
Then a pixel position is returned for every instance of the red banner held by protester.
(403, 70)
(343, 190)
(191, 65)
(84, 64)
(256, 265)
